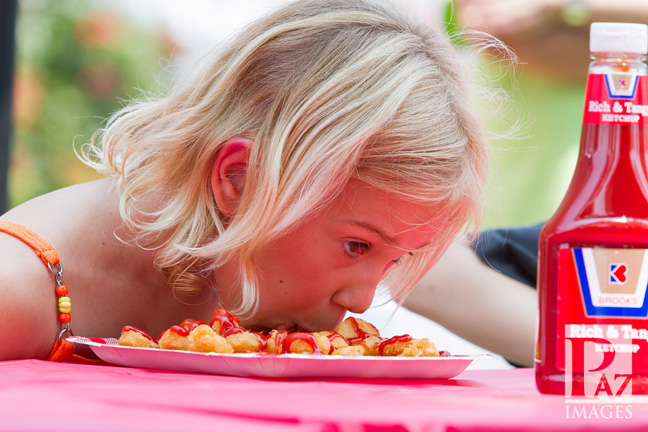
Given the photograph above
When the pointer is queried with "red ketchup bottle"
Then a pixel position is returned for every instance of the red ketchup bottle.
(593, 252)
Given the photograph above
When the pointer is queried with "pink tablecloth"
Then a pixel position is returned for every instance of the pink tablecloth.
(42, 396)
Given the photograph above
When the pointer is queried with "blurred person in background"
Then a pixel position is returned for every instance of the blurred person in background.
(493, 281)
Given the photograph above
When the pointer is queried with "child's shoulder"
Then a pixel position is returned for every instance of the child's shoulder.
(66, 215)
(27, 287)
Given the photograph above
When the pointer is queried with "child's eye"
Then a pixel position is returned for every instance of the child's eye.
(355, 249)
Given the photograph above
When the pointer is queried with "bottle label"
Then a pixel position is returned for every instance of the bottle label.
(616, 98)
(602, 299)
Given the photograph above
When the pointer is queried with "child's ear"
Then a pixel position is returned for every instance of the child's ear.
(228, 174)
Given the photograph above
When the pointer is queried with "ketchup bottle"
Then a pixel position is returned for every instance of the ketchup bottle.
(593, 252)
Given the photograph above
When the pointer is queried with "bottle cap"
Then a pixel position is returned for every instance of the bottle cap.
(619, 37)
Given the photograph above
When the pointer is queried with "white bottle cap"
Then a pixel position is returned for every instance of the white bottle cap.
(619, 37)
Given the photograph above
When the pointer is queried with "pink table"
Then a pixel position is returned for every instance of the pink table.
(42, 396)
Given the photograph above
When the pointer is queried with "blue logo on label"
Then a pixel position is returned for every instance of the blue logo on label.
(619, 295)
(621, 86)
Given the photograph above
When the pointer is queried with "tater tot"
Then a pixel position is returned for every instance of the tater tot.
(403, 347)
(370, 345)
(134, 338)
(353, 350)
(204, 339)
(328, 341)
(426, 348)
(336, 339)
(323, 343)
(355, 328)
(274, 341)
(300, 343)
(223, 322)
(246, 342)
(299, 346)
(171, 340)
(353, 337)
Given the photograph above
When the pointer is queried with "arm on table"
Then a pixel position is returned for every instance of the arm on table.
(28, 305)
(478, 304)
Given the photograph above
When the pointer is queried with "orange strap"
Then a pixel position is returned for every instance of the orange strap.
(63, 350)
(44, 250)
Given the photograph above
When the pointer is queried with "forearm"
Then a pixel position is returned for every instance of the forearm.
(479, 304)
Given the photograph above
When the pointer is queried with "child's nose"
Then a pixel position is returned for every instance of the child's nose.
(356, 298)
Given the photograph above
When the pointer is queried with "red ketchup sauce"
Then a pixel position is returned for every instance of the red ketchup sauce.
(263, 342)
(142, 332)
(191, 324)
(279, 336)
(186, 327)
(391, 341)
(179, 330)
(233, 330)
(361, 334)
(228, 322)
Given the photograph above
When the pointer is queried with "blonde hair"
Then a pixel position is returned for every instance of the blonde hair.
(328, 91)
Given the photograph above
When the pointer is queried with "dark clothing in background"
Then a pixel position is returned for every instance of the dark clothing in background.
(8, 10)
(512, 251)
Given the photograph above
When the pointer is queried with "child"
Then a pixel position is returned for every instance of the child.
(329, 148)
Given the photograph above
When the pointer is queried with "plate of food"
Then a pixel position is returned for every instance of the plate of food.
(355, 349)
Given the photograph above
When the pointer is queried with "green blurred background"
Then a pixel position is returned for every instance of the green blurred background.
(78, 61)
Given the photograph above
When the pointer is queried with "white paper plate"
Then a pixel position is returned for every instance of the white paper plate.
(279, 366)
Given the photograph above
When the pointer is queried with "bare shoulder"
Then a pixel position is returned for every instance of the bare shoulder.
(27, 287)
(111, 282)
